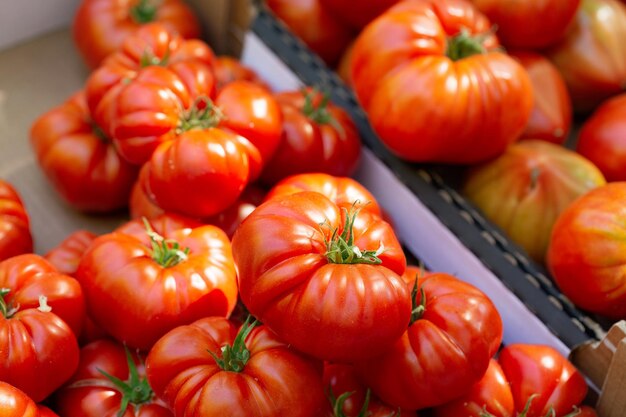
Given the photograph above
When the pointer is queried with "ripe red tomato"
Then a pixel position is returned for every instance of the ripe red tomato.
(525, 189)
(454, 331)
(175, 274)
(207, 369)
(15, 403)
(343, 191)
(41, 311)
(358, 17)
(229, 219)
(592, 57)
(15, 237)
(66, 256)
(229, 69)
(317, 137)
(93, 393)
(79, 160)
(551, 118)
(602, 138)
(587, 251)
(315, 25)
(101, 26)
(322, 279)
(141, 204)
(431, 78)
(529, 24)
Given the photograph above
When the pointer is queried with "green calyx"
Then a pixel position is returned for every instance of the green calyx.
(338, 403)
(464, 45)
(99, 133)
(340, 248)
(418, 309)
(203, 114)
(135, 391)
(144, 12)
(234, 358)
(148, 59)
(165, 252)
(7, 309)
(316, 109)
(551, 413)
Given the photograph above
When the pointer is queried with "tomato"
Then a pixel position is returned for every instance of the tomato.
(454, 331)
(229, 69)
(100, 27)
(586, 412)
(41, 311)
(431, 78)
(343, 191)
(152, 44)
(351, 398)
(15, 237)
(529, 24)
(551, 118)
(141, 204)
(587, 251)
(140, 284)
(93, 391)
(207, 369)
(592, 57)
(79, 160)
(524, 190)
(316, 276)
(315, 25)
(602, 138)
(15, 403)
(66, 256)
(229, 219)
(492, 394)
(317, 137)
(219, 151)
(358, 17)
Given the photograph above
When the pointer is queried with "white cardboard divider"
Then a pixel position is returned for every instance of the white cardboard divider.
(419, 229)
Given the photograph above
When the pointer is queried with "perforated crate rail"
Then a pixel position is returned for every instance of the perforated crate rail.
(528, 281)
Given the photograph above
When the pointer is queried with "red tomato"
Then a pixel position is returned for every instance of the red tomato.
(551, 118)
(603, 138)
(101, 26)
(219, 151)
(66, 256)
(229, 219)
(316, 276)
(524, 190)
(343, 191)
(15, 237)
(229, 69)
(587, 251)
(586, 412)
(443, 352)
(431, 78)
(206, 369)
(93, 393)
(592, 57)
(178, 273)
(79, 160)
(358, 17)
(530, 24)
(15, 403)
(41, 311)
(317, 137)
(141, 204)
(319, 29)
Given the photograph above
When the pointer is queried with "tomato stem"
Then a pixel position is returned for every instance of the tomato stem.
(464, 45)
(418, 309)
(144, 12)
(7, 309)
(148, 58)
(165, 252)
(234, 358)
(203, 114)
(99, 133)
(135, 391)
(316, 108)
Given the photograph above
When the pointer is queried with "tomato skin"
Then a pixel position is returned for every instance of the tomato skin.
(323, 309)
(15, 403)
(92, 399)
(312, 22)
(358, 17)
(525, 189)
(101, 26)
(148, 299)
(534, 24)
(441, 355)
(141, 204)
(66, 256)
(592, 57)
(15, 236)
(602, 138)
(276, 381)
(399, 64)
(551, 117)
(343, 191)
(228, 70)
(587, 253)
(310, 145)
(229, 219)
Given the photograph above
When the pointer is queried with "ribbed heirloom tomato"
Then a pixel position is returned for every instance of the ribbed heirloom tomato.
(325, 279)
(15, 403)
(66, 256)
(15, 237)
(436, 88)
